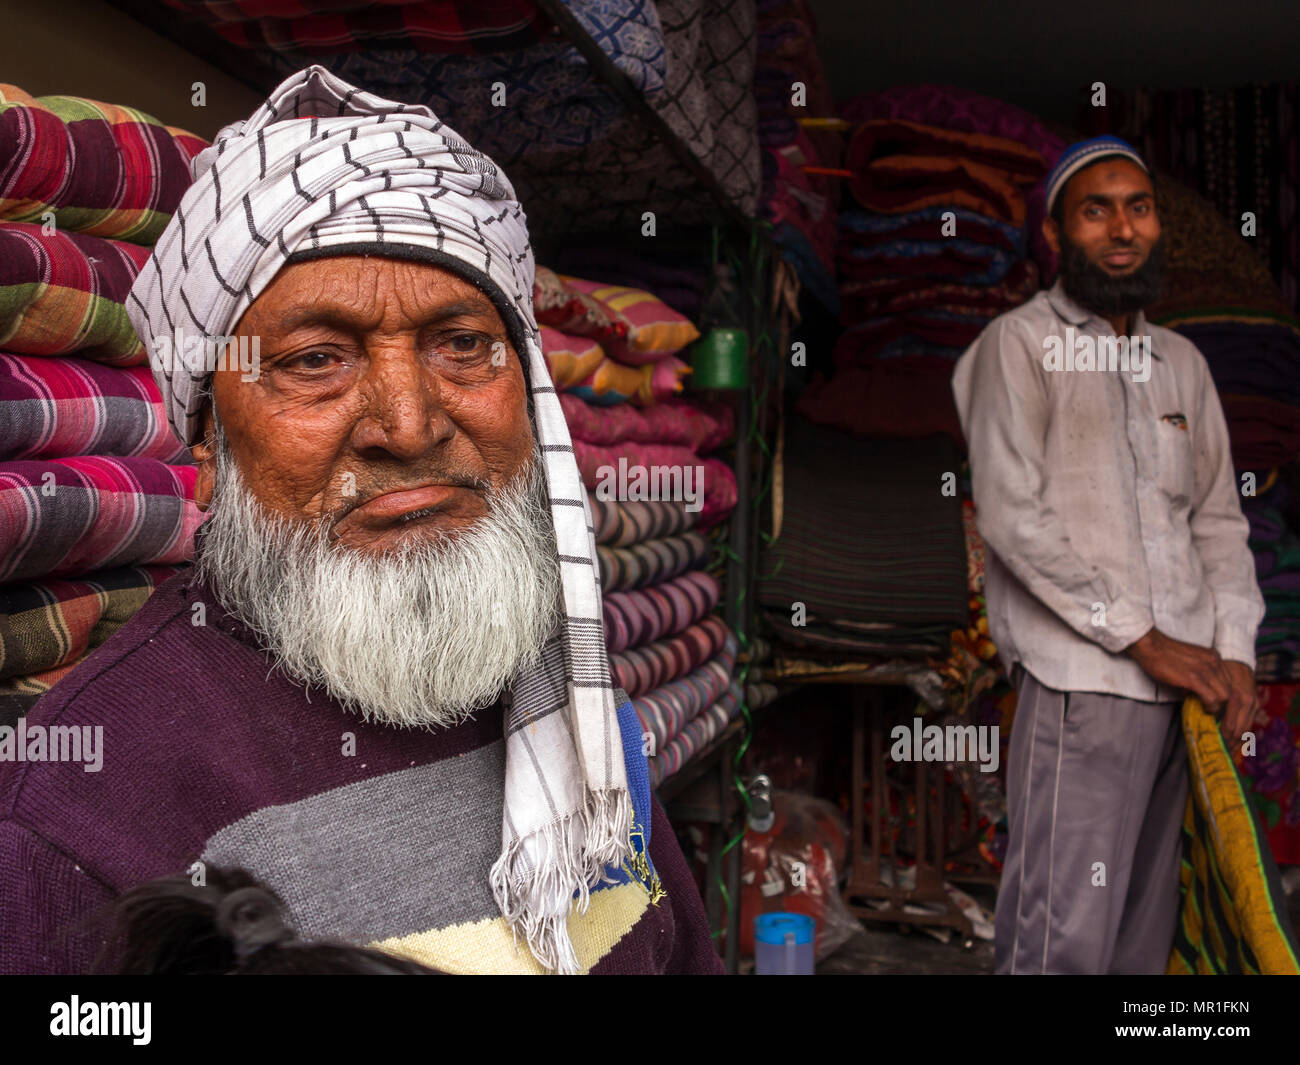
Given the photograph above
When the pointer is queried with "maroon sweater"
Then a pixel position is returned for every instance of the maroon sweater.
(369, 833)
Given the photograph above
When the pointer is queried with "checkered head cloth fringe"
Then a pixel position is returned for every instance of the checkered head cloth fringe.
(324, 165)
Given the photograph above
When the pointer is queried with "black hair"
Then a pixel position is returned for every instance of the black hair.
(232, 924)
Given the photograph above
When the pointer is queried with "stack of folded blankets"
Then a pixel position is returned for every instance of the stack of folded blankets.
(1276, 548)
(654, 490)
(800, 202)
(1272, 773)
(95, 492)
(871, 557)
(1218, 294)
(933, 244)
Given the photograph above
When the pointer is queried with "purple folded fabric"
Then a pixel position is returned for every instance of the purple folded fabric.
(650, 562)
(621, 524)
(72, 516)
(697, 734)
(643, 669)
(691, 424)
(634, 618)
(665, 711)
(54, 407)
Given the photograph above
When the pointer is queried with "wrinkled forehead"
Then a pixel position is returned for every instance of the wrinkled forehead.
(364, 293)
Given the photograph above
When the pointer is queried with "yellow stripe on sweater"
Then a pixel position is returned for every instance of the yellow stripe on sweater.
(488, 946)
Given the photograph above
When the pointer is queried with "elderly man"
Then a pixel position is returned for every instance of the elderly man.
(1119, 578)
(383, 687)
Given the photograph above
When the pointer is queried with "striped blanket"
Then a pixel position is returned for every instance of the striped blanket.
(1233, 917)
(637, 617)
(71, 516)
(697, 734)
(619, 524)
(871, 544)
(65, 292)
(665, 711)
(650, 562)
(52, 623)
(643, 669)
(101, 169)
(50, 408)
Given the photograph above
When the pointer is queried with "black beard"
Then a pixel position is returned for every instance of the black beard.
(1105, 294)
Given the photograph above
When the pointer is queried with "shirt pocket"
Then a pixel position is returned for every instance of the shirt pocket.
(1175, 465)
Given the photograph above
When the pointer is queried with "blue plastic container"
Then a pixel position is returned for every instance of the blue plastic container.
(783, 944)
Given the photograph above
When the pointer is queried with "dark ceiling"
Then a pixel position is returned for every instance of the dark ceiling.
(1041, 55)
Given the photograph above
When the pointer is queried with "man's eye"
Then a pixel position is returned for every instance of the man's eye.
(310, 360)
(466, 343)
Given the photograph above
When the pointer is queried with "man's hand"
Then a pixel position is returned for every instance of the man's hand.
(1198, 670)
(1243, 702)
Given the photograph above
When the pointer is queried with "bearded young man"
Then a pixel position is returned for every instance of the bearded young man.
(383, 688)
(1119, 579)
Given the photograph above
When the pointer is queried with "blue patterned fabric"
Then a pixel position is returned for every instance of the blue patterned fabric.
(856, 220)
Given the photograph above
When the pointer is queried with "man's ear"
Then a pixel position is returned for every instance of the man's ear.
(1052, 234)
(205, 455)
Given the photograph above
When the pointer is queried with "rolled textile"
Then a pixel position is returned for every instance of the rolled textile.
(866, 228)
(876, 555)
(653, 330)
(866, 339)
(650, 562)
(908, 182)
(903, 397)
(638, 616)
(50, 408)
(101, 169)
(613, 382)
(693, 423)
(654, 472)
(52, 623)
(570, 311)
(642, 669)
(679, 282)
(951, 259)
(70, 516)
(570, 359)
(65, 292)
(619, 524)
(695, 736)
(868, 297)
(664, 712)
(961, 109)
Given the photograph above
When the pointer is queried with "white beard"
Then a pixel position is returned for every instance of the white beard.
(422, 636)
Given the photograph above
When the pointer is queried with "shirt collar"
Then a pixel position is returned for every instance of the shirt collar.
(1074, 314)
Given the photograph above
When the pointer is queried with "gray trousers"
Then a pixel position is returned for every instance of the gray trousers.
(1096, 789)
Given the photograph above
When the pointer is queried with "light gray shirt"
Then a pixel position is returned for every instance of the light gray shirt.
(1108, 502)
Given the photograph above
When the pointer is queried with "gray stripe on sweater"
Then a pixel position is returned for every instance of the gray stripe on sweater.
(388, 856)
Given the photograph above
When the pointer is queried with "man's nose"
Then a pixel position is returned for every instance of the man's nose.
(404, 414)
(1121, 227)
